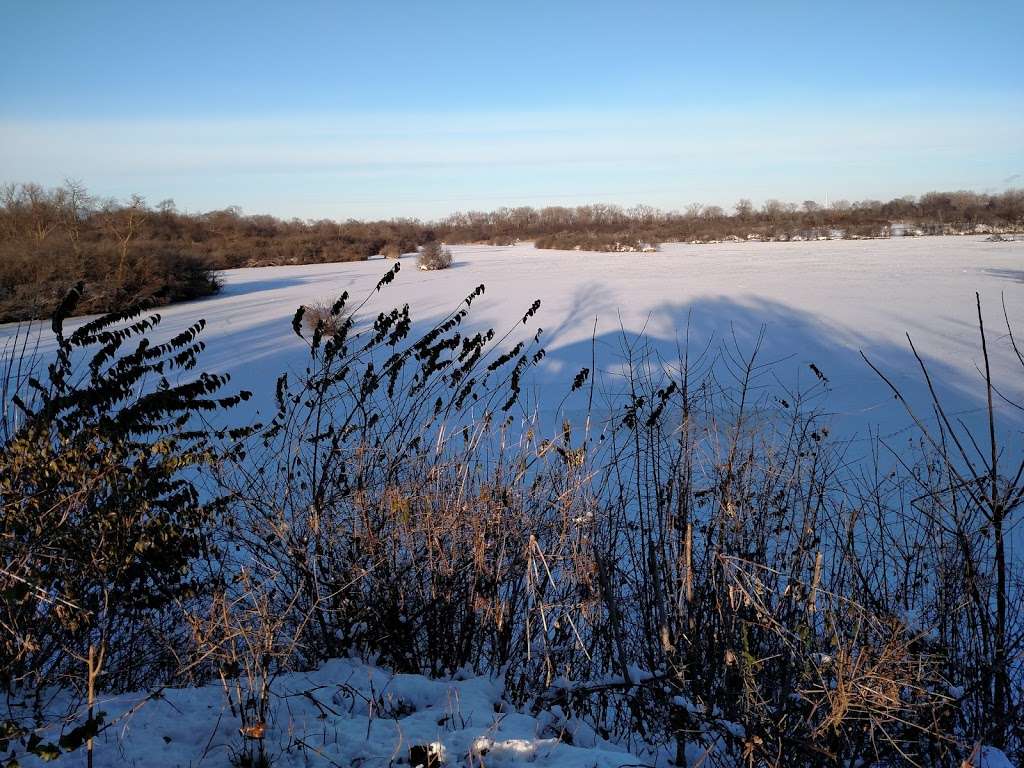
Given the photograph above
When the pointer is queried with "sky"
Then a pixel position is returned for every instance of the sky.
(380, 109)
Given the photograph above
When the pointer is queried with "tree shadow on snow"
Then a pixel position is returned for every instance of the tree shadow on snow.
(797, 355)
(1014, 275)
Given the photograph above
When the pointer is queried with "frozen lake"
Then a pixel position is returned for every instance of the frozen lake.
(817, 302)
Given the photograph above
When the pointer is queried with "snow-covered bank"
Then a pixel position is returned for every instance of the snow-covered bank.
(349, 713)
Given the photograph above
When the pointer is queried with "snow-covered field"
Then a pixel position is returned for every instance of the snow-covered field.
(818, 302)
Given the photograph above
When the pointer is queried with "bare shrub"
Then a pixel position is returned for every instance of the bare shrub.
(433, 255)
(322, 317)
(615, 242)
(242, 634)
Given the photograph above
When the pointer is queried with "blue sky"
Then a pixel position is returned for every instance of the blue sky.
(339, 109)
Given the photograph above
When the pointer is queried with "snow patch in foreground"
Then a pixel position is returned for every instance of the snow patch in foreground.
(351, 714)
(348, 713)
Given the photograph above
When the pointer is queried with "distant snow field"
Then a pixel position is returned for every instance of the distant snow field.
(817, 302)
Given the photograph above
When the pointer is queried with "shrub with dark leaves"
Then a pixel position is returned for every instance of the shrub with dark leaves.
(100, 520)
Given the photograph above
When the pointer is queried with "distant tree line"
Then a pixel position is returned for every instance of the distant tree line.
(589, 226)
(126, 251)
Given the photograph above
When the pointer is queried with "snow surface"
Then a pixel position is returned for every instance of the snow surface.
(990, 757)
(349, 714)
(818, 302)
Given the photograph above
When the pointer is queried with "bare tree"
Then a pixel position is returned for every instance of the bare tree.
(76, 206)
(122, 222)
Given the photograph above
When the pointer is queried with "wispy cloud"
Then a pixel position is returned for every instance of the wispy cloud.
(482, 156)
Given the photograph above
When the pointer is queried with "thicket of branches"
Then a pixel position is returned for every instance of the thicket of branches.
(612, 242)
(689, 563)
(434, 256)
(127, 251)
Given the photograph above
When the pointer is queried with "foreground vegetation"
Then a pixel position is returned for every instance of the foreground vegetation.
(130, 251)
(693, 563)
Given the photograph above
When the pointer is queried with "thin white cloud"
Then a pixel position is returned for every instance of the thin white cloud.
(574, 152)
